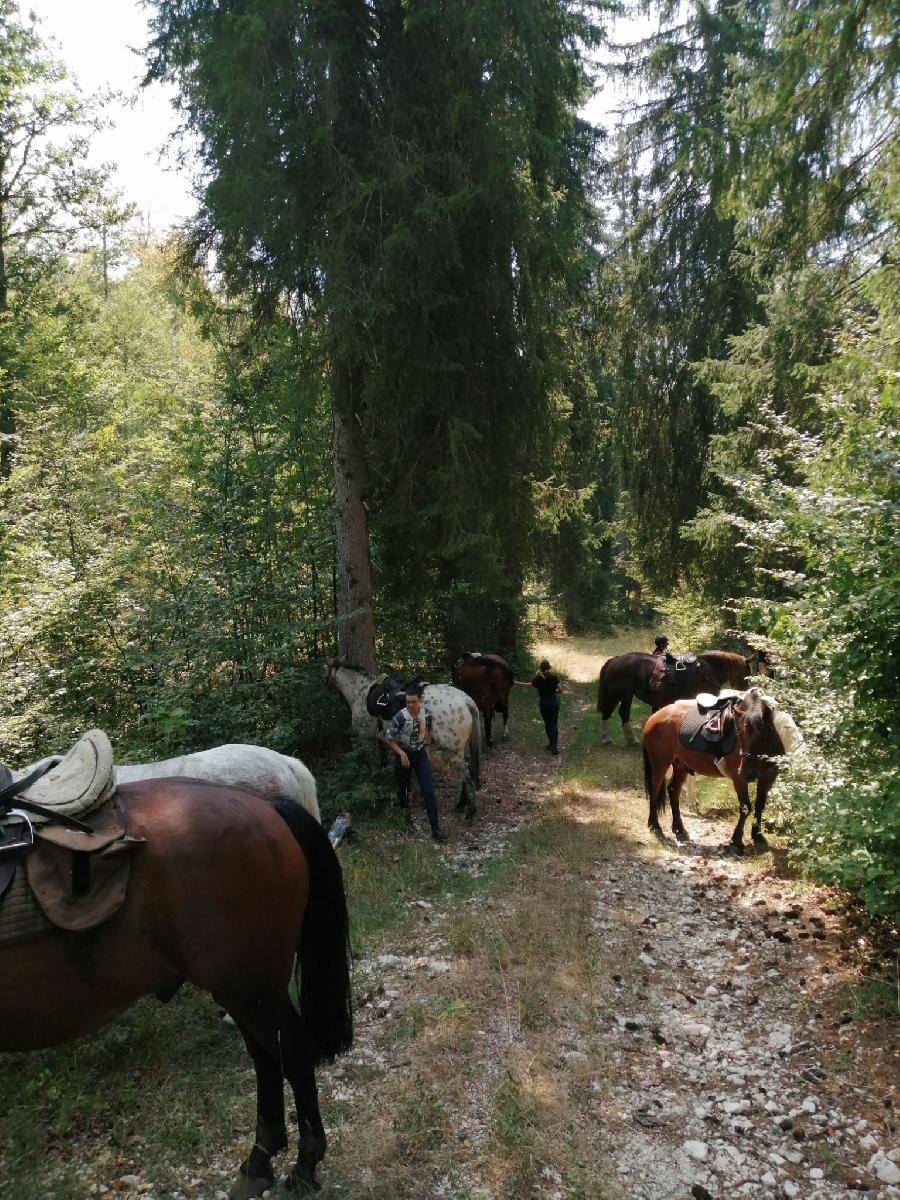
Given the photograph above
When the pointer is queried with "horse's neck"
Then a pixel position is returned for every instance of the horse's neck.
(353, 686)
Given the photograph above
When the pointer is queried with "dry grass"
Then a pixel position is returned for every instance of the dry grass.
(496, 1094)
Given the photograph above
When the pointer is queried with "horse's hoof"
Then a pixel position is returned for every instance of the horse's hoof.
(736, 847)
(246, 1187)
(760, 841)
(470, 815)
(300, 1182)
(606, 741)
(682, 835)
(657, 833)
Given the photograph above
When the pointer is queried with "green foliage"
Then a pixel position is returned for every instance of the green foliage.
(834, 614)
(818, 117)
(683, 290)
(422, 199)
(168, 530)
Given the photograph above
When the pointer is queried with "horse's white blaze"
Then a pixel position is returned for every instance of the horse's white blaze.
(249, 768)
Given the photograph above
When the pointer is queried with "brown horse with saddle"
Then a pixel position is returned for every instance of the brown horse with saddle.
(735, 737)
(657, 680)
(109, 895)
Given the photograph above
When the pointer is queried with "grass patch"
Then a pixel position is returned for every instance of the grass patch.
(877, 999)
(155, 1090)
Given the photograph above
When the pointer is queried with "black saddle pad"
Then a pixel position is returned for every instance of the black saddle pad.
(691, 733)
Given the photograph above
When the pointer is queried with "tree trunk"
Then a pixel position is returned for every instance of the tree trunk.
(353, 567)
(7, 417)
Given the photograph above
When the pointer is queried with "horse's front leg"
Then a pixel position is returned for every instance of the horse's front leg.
(763, 784)
(504, 713)
(743, 794)
(676, 783)
(488, 722)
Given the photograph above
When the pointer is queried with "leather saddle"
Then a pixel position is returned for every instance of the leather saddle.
(385, 699)
(678, 672)
(58, 868)
(709, 726)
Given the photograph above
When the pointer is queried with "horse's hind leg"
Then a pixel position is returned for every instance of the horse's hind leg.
(298, 1060)
(657, 794)
(676, 783)
(256, 1174)
(488, 722)
(503, 709)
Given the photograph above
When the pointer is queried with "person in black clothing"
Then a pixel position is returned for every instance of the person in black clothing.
(549, 689)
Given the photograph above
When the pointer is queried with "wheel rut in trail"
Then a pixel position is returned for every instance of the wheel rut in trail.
(607, 1017)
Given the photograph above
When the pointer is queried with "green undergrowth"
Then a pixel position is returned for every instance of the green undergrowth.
(157, 1094)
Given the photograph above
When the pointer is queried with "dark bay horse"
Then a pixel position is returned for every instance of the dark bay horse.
(754, 757)
(628, 675)
(487, 678)
(226, 892)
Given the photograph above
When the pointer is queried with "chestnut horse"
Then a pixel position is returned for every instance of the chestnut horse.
(628, 675)
(754, 757)
(227, 891)
(487, 678)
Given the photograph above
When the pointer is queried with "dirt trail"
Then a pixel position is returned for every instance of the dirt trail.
(606, 1017)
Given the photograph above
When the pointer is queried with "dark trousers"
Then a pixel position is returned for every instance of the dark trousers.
(420, 763)
(550, 712)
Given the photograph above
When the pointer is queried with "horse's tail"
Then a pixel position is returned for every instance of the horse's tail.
(474, 746)
(657, 802)
(326, 1001)
(307, 785)
(507, 671)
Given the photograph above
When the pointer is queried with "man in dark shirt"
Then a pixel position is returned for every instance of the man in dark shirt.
(549, 689)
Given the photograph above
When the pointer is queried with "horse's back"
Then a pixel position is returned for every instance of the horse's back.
(244, 766)
(223, 847)
(667, 718)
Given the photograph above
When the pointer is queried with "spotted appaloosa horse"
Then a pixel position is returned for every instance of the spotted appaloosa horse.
(628, 675)
(456, 728)
(764, 735)
(226, 892)
(487, 678)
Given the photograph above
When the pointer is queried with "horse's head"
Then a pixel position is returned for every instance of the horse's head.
(755, 722)
(332, 665)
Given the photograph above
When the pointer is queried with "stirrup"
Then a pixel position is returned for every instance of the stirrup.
(27, 839)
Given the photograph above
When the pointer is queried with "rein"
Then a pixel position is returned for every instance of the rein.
(9, 793)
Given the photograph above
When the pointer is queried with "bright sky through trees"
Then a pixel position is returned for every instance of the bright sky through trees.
(98, 40)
